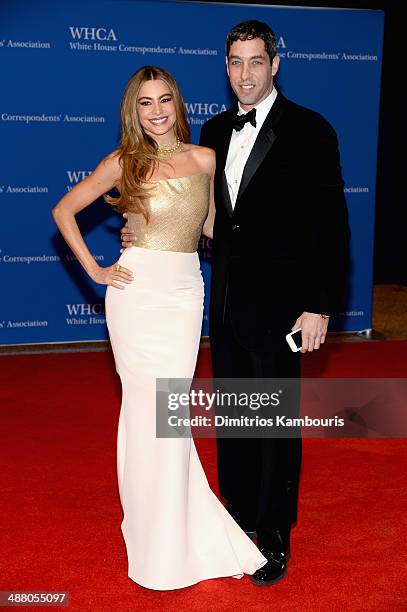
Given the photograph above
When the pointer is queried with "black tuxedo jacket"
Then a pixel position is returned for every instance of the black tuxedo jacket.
(284, 248)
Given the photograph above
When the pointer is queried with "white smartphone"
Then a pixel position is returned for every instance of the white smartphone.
(294, 340)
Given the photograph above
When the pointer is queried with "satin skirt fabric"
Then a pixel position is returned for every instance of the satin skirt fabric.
(176, 531)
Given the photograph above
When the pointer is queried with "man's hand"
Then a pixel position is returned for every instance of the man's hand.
(313, 330)
(127, 236)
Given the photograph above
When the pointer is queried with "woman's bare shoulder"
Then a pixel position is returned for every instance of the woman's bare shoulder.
(113, 159)
(111, 164)
(204, 157)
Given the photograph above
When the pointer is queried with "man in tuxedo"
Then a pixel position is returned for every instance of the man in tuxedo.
(279, 262)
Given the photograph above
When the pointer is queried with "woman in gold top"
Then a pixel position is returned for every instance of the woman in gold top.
(176, 531)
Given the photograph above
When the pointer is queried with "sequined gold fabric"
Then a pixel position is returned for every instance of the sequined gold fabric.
(178, 208)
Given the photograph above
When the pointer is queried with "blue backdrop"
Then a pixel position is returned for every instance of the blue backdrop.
(63, 70)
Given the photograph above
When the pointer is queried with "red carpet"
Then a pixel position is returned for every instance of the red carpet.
(60, 512)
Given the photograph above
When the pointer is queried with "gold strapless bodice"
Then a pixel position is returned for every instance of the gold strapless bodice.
(177, 210)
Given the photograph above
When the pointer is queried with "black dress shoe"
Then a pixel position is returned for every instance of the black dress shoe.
(276, 540)
(274, 570)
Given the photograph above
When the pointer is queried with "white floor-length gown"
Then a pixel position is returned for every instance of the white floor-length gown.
(176, 531)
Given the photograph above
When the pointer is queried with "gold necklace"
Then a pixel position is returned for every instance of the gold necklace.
(169, 150)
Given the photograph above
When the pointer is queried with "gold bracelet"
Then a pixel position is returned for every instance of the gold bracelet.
(324, 316)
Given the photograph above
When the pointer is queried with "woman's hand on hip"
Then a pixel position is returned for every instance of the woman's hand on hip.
(113, 275)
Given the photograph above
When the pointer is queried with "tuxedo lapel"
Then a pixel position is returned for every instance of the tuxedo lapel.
(225, 194)
(222, 154)
(262, 146)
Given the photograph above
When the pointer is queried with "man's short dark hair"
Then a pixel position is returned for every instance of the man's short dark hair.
(247, 30)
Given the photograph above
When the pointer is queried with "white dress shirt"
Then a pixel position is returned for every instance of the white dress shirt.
(241, 144)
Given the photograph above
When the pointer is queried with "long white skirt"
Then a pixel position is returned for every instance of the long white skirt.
(176, 531)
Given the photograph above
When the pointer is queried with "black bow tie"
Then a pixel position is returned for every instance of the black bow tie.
(240, 120)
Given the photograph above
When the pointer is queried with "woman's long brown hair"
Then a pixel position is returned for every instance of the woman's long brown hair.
(138, 152)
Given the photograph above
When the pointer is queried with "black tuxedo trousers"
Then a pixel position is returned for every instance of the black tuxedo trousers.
(259, 477)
